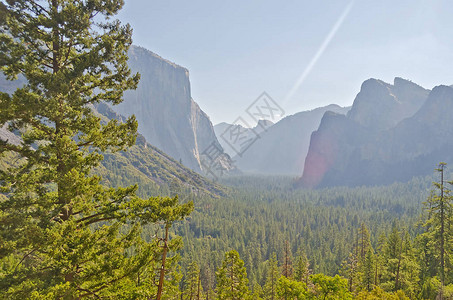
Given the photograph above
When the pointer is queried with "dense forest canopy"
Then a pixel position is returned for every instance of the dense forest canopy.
(329, 232)
(71, 228)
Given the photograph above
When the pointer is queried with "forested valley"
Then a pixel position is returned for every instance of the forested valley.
(90, 210)
(333, 243)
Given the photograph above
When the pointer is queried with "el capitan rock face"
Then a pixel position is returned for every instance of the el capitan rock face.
(167, 115)
(392, 133)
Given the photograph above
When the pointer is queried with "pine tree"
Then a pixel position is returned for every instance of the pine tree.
(350, 267)
(438, 237)
(368, 270)
(192, 281)
(207, 279)
(364, 241)
(273, 274)
(302, 269)
(232, 278)
(350, 271)
(366, 267)
(410, 268)
(71, 237)
(257, 292)
(168, 265)
(378, 261)
(392, 260)
(287, 267)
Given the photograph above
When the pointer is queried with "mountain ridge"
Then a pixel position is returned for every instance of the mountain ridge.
(362, 155)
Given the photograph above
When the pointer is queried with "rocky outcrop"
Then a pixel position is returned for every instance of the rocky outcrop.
(9, 137)
(167, 115)
(367, 148)
(380, 106)
(282, 148)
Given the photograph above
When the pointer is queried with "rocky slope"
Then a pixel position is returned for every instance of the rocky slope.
(282, 148)
(367, 147)
(167, 115)
(148, 166)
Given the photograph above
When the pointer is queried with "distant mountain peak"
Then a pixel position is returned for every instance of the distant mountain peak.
(441, 90)
(437, 107)
(332, 106)
(398, 82)
(139, 50)
(282, 147)
(380, 105)
(264, 124)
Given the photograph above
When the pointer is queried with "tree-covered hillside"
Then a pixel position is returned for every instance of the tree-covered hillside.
(382, 241)
(261, 213)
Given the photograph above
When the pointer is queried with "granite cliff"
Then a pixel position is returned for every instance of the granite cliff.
(168, 117)
(392, 133)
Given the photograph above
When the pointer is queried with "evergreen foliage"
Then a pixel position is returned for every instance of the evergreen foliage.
(64, 234)
(232, 278)
(72, 227)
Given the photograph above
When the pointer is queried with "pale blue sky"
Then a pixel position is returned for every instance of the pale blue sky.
(235, 50)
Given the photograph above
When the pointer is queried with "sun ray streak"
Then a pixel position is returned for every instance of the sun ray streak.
(320, 51)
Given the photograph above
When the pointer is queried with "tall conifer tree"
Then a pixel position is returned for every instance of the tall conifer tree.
(69, 236)
(272, 276)
(232, 278)
(437, 235)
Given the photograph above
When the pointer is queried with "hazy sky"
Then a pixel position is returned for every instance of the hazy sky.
(304, 54)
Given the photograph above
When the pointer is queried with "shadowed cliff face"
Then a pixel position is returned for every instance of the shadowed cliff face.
(322, 152)
(168, 117)
(429, 130)
(331, 148)
(390, 134)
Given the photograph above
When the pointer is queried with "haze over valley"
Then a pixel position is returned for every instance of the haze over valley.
(253, 150)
